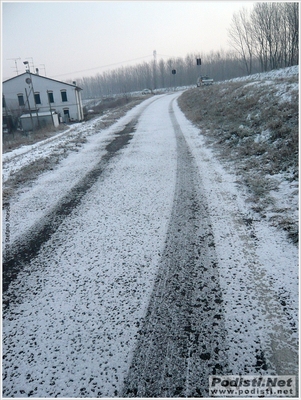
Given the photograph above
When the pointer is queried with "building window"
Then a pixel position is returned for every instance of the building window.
(21, 100)
(37, 98)
(64, 95)
(50, 97)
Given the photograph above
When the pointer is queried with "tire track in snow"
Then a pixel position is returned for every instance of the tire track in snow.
(19, 254)
(181, 342)
(77, 306)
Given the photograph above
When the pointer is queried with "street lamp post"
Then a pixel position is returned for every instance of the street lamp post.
(199, 63)
(174, 71)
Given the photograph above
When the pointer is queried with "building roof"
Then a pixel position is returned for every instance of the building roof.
(43, 77)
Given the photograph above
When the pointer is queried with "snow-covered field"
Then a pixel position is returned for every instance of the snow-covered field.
(73, 313)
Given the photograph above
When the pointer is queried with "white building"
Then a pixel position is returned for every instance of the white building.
(33, 93)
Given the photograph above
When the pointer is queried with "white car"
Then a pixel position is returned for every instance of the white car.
(204, 81)
(146, 91)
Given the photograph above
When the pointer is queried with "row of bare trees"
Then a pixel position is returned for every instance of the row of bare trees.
(265, 38)
(220, 65)
(269, 33)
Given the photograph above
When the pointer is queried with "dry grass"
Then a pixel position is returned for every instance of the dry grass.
(117, 104)
(255, 130)
(17, 139)
(30, 172)
(117, 107)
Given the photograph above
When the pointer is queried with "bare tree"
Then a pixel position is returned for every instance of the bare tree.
(240, 34)
(276, 33)
(291, 13)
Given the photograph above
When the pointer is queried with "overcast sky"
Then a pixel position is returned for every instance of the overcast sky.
(73, 39)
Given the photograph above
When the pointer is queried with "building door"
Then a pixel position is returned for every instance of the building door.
(66, 115)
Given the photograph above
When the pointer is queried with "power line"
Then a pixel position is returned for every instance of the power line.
(102, 66)
(165, 55)
(91, 69)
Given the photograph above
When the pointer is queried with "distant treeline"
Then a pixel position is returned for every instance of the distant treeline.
(158, 74)
(265, 38)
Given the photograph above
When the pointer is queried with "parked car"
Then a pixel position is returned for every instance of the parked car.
(146, 91)
(204, 81)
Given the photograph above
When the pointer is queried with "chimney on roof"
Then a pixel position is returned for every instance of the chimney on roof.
(37, 71)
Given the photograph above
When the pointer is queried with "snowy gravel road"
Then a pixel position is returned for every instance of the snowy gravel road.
(135, 268)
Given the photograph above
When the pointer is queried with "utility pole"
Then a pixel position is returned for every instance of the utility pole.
(30, 82)
(27, 98)
(35, 104)
(50, 108)
(16, 65)
(155, 69)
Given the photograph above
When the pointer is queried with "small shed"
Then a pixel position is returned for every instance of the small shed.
(39, 120)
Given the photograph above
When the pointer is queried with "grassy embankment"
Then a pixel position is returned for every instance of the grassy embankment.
(253, 128)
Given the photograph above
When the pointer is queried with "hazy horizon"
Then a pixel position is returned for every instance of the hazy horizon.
(71, 40)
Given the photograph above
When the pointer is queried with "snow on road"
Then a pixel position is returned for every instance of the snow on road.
(34, 201)
(258, 272)
(74, 313)
(79, 304)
